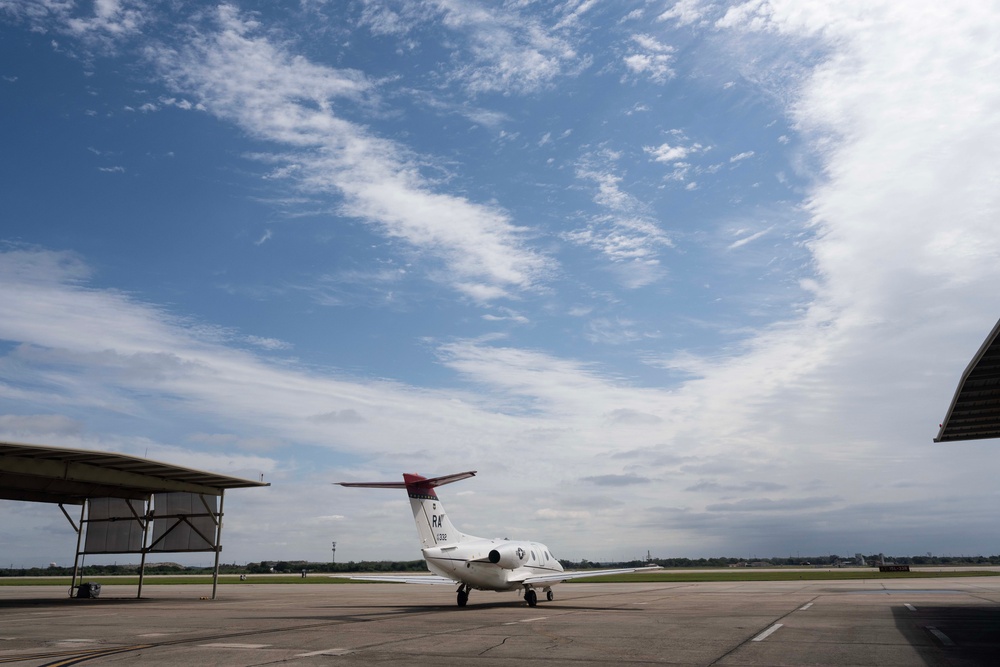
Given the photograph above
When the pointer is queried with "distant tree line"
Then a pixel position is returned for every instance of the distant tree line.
(297, 566)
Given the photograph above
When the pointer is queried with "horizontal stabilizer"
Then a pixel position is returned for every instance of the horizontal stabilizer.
(448, 479)
(415, 479)
(375, 485)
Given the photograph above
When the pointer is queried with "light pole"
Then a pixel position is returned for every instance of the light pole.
(333, 558)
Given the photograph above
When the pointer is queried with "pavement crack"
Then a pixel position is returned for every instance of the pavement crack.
(498, 645)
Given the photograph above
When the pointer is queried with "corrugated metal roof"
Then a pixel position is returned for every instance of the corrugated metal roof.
(58, 475)
(975, 410)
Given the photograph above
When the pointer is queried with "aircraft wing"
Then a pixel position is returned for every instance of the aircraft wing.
(556, 577)
(404, 579)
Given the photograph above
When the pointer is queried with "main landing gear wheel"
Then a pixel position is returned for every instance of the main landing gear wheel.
(550, 596)
(531, 597)
(463, 596)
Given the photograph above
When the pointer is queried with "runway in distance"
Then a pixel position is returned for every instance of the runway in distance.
(475, 562)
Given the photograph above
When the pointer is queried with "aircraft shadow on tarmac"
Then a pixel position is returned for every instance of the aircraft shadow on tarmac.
(964, 634)
(402, 607)
(391, 610)
(24, 603)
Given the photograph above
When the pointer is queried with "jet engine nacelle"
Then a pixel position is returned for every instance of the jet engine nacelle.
(509, 556)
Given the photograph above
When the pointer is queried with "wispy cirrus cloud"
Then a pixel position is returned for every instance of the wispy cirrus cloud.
(502, 48)
(102, 24)
(240, 76)
(684, 12)
(512, 51)
(627, 236)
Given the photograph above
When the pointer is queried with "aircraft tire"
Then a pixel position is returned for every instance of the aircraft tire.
(531, 597)
(463, 598)
(550, 596)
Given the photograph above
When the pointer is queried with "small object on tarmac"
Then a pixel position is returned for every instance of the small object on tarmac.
(91, 589)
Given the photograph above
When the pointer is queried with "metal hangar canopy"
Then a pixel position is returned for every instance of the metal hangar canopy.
(122, 500)
(975, 410)
(37, 473)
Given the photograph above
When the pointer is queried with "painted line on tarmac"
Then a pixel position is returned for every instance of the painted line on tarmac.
(767, 633)
(527, 620)
(326, 651)
(942, 637)
(909, 606)
(805, 607)
(234, 645)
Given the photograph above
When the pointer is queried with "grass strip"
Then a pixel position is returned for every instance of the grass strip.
(781, 575)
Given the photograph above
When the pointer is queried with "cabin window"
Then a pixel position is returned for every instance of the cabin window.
(532, 555)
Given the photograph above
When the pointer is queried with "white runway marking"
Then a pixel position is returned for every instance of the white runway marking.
(234, 645)
(527, 620)
(805, 607)
(326, 651)
(910, 606)
(767, 633)
(942, 637)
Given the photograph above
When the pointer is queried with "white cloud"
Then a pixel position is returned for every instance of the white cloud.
(114, 17)
(269, 343)
(508, 51)
(667, 153)
(654, 59)
(13, 427)
(629, 238)
(102, 25)
(619, 332)
(748, 239)
(383, 20)
(684, 12)
(84, 365)
(242, 77)
(506, 315)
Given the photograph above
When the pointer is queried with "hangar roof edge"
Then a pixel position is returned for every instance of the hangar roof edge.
(43, 473)
(974, 412)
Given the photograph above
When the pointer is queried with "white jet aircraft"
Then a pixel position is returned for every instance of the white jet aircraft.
(475, 562)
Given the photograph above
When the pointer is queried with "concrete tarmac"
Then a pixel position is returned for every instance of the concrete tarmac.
(951, 621)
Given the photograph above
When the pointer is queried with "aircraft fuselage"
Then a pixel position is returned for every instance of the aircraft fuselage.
(491, 564)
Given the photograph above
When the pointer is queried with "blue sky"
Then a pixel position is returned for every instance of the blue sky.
(690, 277)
